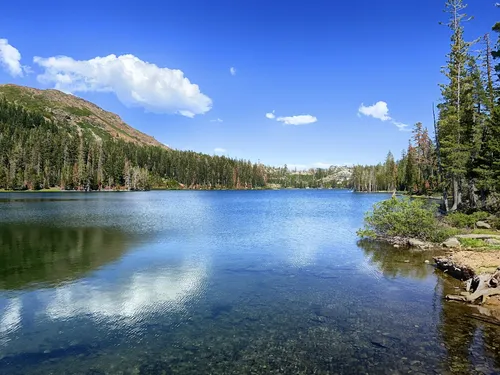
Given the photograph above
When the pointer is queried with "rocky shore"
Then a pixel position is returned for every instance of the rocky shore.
(477, 267)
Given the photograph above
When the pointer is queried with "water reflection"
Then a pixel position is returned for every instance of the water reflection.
(136, 295)
(396, 262)
(10, 318)
(33, 254)
(471, 346)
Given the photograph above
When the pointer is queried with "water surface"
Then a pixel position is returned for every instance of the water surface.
(234, 282)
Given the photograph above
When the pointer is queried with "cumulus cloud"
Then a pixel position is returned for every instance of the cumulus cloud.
(232, 70)
(217, 120)
(10, 59)
(297, 120)
(134, 82)
(219, 150)
(380, 111)
(270, 115)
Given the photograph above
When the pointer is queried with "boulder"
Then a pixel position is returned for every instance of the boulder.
(483, 225)
(451, 243)
(492, 241)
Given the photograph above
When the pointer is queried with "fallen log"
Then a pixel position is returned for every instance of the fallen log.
(484, 319)
(453, 297)
(479, 287)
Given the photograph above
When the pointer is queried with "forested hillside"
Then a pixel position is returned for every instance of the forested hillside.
(39, 153)
(462, 160)
(76, 112)
(42, 151)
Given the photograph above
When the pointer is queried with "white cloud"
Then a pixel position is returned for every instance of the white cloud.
(133, 81)
(219, 150)
(380, 111)
(232, 70)
(10, 59)
(400, 125)
(299, 167)
(297, 120)
(217, 120)
(322, 165)
(270, 115)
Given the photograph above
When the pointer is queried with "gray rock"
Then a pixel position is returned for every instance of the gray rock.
(492, 241)
(483, 225)
(416, 243)
(479, 236)
(451, 243)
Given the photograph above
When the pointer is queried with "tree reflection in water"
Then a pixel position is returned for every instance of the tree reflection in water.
(32, 255)
(461, 334)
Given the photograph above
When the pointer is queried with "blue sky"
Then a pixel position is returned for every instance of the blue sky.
(318, 59)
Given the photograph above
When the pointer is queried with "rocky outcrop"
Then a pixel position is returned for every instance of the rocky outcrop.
(483, 225)
(457, 271)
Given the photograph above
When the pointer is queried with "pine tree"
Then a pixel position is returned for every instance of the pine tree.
(452, 139)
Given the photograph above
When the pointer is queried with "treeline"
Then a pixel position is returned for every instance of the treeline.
(416, 172)
(36, 153)
(462, 162)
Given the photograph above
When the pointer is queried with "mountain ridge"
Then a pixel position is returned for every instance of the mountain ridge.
(67, 108)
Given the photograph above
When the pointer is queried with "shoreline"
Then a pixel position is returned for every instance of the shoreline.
(478, 268)
(157, 189)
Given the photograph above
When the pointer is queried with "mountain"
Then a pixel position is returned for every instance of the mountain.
(75, 111)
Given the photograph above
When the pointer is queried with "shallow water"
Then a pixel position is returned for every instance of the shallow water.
(234, 282)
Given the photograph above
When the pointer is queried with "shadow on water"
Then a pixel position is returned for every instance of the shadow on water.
(47, 255)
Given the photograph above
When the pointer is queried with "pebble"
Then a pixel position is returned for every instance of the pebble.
(426, 261)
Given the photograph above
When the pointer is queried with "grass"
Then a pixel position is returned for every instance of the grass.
(78, 111)
(486, 231)
(49, 190)
(478, 244)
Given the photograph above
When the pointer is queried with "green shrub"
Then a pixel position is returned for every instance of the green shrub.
(495, 223)
(405, 218)
(442, 233)
(461, 220)
(472, 242)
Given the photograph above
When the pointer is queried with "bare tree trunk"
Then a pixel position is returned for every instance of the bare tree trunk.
(456, 193)
(472, 193)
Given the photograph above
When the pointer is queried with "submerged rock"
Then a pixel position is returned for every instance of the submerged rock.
(457, 271)
(418, 243)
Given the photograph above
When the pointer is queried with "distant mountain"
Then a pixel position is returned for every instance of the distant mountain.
(70, 109)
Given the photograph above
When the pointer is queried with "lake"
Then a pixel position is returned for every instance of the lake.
(222, 282)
